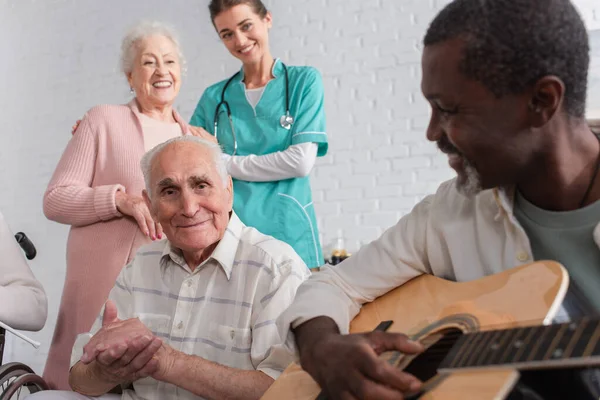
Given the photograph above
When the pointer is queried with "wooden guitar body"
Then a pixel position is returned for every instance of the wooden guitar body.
(427, 308)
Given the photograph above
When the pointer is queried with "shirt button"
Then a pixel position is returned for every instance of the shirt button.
(522, 256)
(189, 283)
(180, 325)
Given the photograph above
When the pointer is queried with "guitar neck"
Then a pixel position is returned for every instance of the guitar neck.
(570, 344)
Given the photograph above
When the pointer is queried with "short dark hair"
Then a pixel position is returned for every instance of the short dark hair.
(216, 7)
(510, 44)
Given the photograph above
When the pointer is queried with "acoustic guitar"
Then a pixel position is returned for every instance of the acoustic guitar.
(479, 335)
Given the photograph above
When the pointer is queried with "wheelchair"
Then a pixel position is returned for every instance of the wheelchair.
(17, 380)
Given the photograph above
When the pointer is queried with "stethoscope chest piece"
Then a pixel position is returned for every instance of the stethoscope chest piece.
(286, 121)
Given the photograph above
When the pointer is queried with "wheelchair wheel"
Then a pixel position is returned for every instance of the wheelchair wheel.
(24, 385)
(18, 380)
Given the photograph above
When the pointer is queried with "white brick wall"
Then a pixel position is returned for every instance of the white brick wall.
(59, 58)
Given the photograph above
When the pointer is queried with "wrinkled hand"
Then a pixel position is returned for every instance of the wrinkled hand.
(166, 358)
(202, 134)
(113, 332)
(74, 127)
(347, 366)
(135, 207)
(122, 351)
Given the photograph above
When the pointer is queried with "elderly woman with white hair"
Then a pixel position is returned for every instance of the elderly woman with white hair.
(97, 186)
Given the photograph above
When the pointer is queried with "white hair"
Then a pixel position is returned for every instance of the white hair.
(141, 31)
(215, 149)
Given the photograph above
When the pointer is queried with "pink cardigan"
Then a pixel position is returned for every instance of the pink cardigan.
(103, 156)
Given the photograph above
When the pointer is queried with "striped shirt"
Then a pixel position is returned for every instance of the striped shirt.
(224, 311)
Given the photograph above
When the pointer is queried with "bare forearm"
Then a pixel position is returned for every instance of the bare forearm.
(214, 381)
(85, 379)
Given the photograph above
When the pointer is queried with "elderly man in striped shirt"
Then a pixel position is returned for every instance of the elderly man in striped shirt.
(191, 316)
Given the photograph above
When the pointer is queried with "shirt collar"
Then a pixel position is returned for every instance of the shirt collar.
(505, 199)
(224, 253)
(172, 252)
(226, 250)
(275, 70)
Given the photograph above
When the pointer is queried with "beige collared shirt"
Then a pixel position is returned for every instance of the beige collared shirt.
(224, 311)
(446, 234)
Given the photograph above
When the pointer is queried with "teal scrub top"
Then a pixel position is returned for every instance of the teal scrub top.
(282, 209)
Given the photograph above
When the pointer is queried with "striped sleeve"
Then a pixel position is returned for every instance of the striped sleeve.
(268, 352)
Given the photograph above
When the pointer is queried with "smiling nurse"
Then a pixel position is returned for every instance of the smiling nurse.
(270, 120)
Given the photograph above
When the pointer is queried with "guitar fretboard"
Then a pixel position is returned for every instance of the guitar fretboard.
(530, 347)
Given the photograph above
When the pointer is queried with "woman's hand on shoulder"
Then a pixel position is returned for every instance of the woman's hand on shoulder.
(202, 134)
(74, 127)
(136, 208)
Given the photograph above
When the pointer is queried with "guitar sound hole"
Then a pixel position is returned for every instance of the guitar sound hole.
(426, 364)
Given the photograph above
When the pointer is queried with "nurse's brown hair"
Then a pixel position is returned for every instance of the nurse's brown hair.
(216, 7)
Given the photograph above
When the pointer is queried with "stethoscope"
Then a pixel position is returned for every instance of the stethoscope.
(285, 121)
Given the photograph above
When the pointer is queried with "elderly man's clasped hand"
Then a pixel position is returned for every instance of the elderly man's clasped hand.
(125, 350)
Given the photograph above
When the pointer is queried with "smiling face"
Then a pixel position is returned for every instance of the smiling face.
(244, 33)
(189, 198)
(156, 72)
(488, 139)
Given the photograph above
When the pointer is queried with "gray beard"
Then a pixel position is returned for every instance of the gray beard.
(469, 185)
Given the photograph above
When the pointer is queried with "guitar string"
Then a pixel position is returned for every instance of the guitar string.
(442, 347)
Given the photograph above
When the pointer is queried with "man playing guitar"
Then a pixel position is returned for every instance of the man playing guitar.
(506, 81)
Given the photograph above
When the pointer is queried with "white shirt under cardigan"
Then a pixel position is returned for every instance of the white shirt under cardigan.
(224, 311)
(446, 234)
(156, 132)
